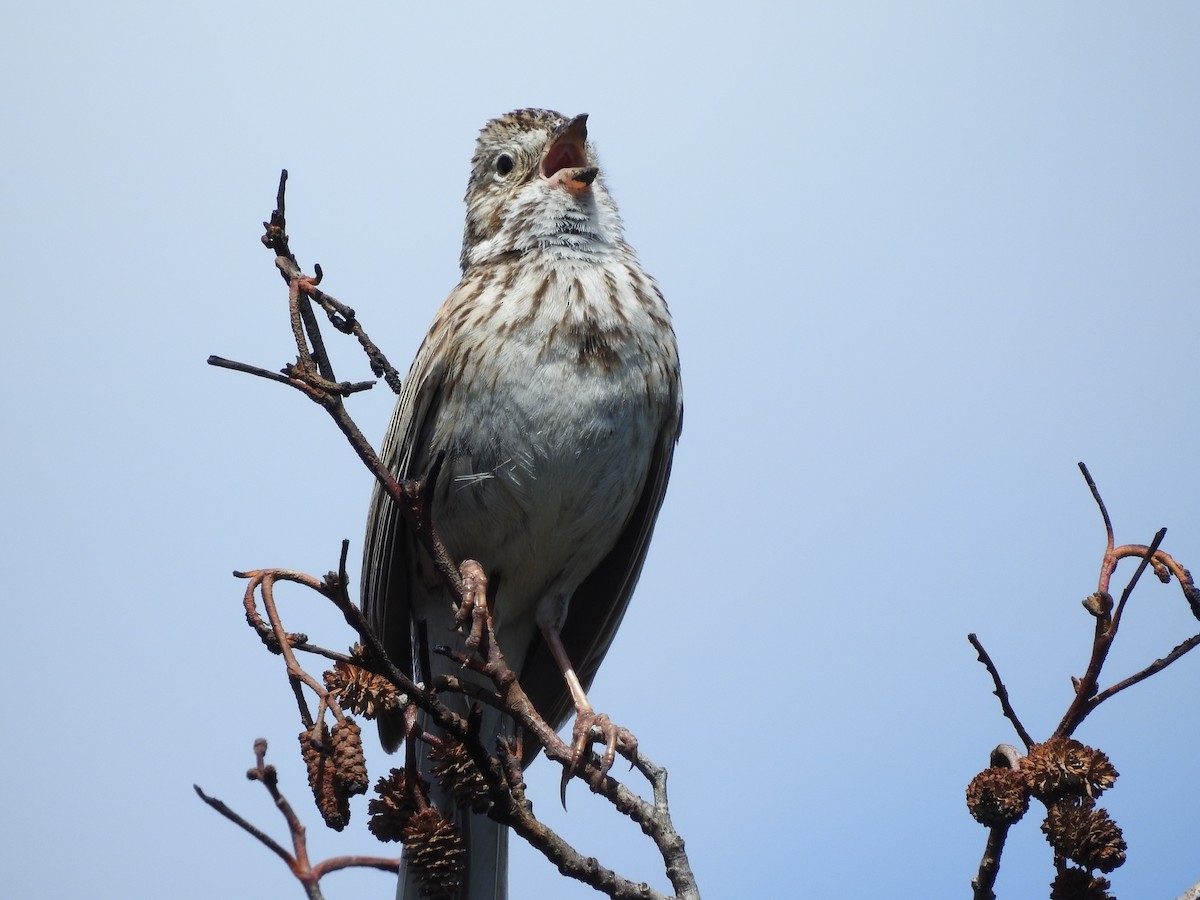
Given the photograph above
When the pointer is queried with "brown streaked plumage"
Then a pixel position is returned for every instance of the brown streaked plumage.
(549, 381)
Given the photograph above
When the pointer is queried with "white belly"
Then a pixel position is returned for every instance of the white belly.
(555, 456)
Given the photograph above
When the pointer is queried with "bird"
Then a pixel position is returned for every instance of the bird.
(547, 397)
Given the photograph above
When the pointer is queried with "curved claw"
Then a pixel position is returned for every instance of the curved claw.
(591, 728)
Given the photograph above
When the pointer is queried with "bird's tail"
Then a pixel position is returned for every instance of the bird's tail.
(485, 876)
(486, 873)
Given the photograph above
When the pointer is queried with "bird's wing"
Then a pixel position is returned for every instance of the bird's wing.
(386, 571)
(599, 604)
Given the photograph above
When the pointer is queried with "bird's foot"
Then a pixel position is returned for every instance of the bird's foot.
(590, 728)
(473, 606)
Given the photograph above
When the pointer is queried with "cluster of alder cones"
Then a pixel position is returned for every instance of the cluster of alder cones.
(1067, 777)
(401, 811)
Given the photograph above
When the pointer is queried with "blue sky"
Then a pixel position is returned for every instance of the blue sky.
(922, 259)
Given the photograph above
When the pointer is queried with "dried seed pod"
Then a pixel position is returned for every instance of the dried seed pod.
(997, 796)
(1085, 835)
(397, 803)
(458, 774)
(332, 799)
(1063, 767)
(349, 762)
(362, 692)
(1078, 884)
(434, 849)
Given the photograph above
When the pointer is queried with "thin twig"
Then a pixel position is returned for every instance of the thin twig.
(1099, 502)
(315, 650)
(313, 376)
(1157, 666)
(1001, 691)
(1108, 617)
(1148, 555)
(1108, 562)
(383, 863)
(297, 861)
(1106, 630)
(343, 318)
(222, 363)
(267, 841)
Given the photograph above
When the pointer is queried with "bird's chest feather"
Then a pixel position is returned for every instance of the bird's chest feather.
(565, 419)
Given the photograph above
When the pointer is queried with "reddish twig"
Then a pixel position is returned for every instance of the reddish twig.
(259, 835)
(509, 807)
(342, 317)
(297, 861)
(1106, 631)
(1108, 616)
(1164, 564)
(312, 374)
(333, 587)
(653, 817)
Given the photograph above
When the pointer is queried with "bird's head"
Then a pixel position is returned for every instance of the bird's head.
(534, 185)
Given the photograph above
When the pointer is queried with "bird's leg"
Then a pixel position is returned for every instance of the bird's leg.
(473, 605)
(586, 718)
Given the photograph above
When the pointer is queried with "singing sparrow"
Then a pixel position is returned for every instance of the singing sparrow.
(549, 386)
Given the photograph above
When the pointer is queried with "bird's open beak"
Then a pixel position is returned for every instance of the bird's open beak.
(565, 163)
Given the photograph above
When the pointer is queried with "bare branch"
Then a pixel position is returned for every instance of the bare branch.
(297, 862)
(1106, 630)
(313, 375)
(237, 820)
(1062, 772)
(1001, 691)
(1100, 503)
(984, 882)
(222, 363)
(989, 866)
(1148, 555)
(1157, 666)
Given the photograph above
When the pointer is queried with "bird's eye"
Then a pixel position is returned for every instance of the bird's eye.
(504, 164)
